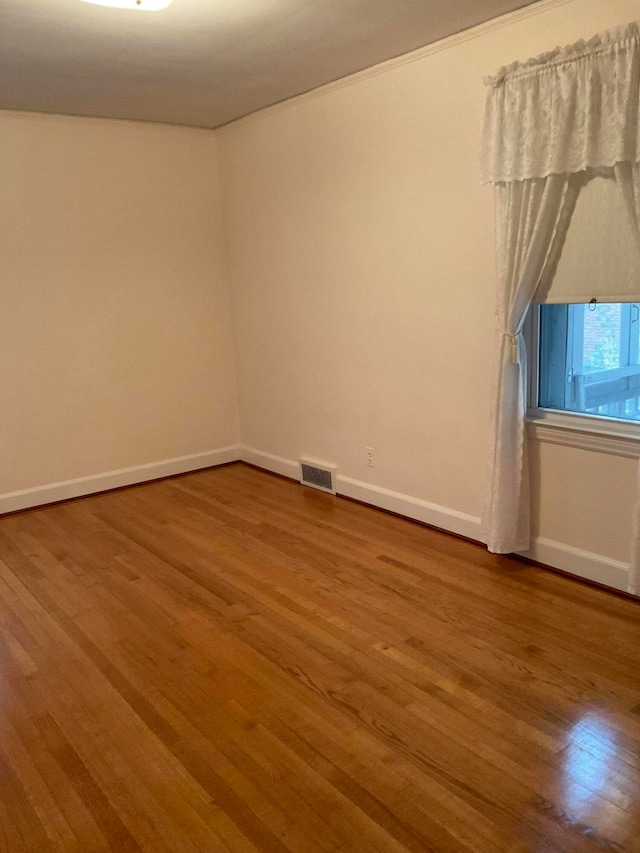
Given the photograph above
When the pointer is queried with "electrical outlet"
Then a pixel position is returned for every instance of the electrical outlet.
(369, 456)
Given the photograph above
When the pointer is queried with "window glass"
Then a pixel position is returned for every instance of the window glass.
(601, 337)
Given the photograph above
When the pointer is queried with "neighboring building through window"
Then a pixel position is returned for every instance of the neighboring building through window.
(590, 359)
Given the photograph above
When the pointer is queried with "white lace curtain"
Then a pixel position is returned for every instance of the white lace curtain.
(548, 123)
(572, 109)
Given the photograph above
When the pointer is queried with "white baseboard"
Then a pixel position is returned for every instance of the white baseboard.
(435, 515)
(575, 561)
(275, 464)
(584, 564)
(12, 501)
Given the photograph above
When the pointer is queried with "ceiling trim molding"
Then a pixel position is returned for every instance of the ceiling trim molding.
(398, 61)
(7, 112)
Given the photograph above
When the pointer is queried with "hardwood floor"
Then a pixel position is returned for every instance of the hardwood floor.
(229, 661)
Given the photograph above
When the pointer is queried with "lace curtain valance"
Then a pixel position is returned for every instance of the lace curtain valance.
(569, 110)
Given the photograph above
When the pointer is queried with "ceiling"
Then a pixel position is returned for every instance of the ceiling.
(207, 62)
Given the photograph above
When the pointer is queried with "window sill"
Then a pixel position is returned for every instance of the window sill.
(601, 435)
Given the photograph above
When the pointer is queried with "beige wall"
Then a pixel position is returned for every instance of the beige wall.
(583, 498)
(115, 337)
(362, 275)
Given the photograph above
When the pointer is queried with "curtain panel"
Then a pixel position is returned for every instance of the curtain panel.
(527, 217)
(551, 125)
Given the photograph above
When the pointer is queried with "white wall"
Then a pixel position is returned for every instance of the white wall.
(115, 336)
(361, 266)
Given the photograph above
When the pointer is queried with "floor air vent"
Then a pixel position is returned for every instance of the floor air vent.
(319, 476)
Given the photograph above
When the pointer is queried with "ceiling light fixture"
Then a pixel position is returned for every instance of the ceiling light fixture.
(148, 5)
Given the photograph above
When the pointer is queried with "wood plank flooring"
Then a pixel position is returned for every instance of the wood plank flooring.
(229, 661)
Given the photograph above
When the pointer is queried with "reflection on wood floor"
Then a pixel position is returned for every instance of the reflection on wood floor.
(229, 661)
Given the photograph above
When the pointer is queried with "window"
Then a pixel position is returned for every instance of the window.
(589, 359)
(588, 331)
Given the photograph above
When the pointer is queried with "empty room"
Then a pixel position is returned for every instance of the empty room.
(320, 426)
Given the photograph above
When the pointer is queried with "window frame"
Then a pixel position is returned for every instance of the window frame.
(600, 433)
